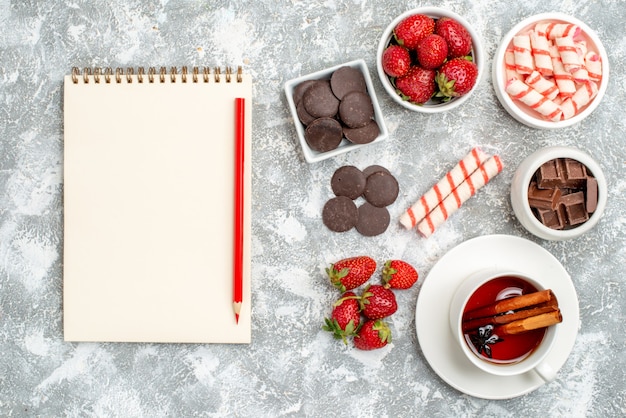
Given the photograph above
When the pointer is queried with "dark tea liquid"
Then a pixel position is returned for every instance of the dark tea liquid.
(512, 348)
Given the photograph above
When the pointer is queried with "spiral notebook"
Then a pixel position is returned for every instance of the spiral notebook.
(149, 162)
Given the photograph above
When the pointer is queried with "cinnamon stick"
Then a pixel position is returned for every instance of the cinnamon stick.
(509, 317)
(511, 304)
(529, 324)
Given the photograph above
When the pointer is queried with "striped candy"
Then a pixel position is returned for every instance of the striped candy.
(547, 66)
(488, 170)
(456, 187)
(433, 197)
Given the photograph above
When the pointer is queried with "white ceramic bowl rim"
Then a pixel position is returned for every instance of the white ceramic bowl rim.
(499, 82)
(477, 53)
(551, 153)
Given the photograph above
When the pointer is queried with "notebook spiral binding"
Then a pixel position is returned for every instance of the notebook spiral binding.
(198, 74)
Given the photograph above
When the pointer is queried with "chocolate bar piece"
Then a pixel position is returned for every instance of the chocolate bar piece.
(549, 175)
(562, 173)
(554, 219)
(591, 194)
(575, 174)
(575, 211)
(543, 198)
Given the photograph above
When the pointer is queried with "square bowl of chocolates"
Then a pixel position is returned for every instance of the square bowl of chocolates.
(558, 193)
(550, 71)
(335, 110)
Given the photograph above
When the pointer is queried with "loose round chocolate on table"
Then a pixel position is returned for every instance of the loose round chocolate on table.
(347, 79)
(372, 220)
(303, 115)
(374, 169)
(363, 135)
(340, 214)
(299, 90)
(381, 189)
(319, 100)
(323, 134)
(356, 109)
(348, 181)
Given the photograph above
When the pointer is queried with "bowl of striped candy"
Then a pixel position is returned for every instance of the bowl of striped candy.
(550, 71)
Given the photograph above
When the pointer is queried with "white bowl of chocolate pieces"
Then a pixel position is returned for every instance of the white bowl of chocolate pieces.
(335, 110)
(558, 193)
(375, 185)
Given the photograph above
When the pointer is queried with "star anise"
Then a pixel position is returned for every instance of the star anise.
(484, 339)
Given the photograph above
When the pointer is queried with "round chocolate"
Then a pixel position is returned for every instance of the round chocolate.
(363, 135)
(348, 181)
(374, 169)
(372, 220)
(319, 100)
(356, 109)
(299, 90)
(303, 115)
(340, 214)
(347, 79)
(323, 134)
(381, 189)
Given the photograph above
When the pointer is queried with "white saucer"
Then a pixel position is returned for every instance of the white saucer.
(431, 314)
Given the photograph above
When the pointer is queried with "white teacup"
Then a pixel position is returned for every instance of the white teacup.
(536, 360)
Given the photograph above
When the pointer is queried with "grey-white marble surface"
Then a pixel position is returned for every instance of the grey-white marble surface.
(292, 367)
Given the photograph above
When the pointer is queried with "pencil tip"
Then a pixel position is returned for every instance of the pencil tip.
(237, 310)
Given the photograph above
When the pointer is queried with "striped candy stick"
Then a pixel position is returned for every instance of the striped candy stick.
(545, 86)
(594, 65)
(564, 79)
(433, 197)
(519, 90)
(569, 54)
(509, 65)
(552, 30)
(541, 53)
(488, 170)
(581, 75)
(523, 55)
(581, 98)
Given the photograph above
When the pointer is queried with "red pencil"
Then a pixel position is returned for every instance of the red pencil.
(239, 196)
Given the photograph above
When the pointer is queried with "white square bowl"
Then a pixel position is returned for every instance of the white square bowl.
(312, 156)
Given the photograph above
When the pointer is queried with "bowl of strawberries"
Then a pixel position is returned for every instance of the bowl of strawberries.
(430, 60)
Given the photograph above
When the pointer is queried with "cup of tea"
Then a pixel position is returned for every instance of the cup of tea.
(505, 322)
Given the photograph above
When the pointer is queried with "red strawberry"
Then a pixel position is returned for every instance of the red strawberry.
(378, 302)
(456, 78)
(351, 273)
(396, 61)
(417, 85)
(412, 29)
(399, 274)
(432, 51)
(457, 37)
(372, 334)
(345, 317)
